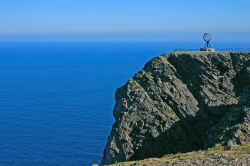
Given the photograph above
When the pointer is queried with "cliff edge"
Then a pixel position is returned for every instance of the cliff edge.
(181, 102)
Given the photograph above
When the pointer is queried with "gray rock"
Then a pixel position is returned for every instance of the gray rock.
(181, 102)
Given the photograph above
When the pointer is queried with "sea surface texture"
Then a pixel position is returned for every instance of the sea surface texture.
(57, 98)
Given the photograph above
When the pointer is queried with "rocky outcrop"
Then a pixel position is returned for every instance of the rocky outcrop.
(181, 102)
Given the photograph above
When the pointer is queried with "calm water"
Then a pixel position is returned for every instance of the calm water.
(56, 98)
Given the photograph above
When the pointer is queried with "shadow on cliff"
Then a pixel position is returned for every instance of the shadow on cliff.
(201, 132)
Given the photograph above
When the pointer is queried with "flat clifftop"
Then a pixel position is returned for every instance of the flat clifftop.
(181, 102)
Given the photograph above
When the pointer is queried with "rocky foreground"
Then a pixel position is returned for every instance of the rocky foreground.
(182, 102)
(238, 155)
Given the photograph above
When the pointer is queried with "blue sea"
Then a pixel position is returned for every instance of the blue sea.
(57, 98)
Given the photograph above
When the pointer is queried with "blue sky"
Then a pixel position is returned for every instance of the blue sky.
(126, 19)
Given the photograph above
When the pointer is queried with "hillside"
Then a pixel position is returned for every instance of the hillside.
(238, 155)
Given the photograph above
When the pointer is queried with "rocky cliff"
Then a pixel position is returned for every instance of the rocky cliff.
(181, 102)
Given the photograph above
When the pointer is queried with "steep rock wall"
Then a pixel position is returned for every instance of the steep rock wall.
(181, 102)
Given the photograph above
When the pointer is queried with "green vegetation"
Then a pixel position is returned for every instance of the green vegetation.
(236, 151)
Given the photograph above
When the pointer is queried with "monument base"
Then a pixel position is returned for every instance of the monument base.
(208, 49)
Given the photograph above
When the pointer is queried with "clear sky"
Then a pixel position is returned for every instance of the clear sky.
(126, 19)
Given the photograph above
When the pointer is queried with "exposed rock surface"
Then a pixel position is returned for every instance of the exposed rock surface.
(181, 102)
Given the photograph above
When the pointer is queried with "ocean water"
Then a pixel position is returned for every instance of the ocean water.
(57, 98)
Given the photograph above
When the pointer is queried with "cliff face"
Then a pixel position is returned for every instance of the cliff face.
(181, 102)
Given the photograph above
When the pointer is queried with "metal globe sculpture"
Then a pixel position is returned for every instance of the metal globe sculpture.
(207, 38)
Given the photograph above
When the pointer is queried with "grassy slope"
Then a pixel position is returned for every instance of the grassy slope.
(236, 151)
